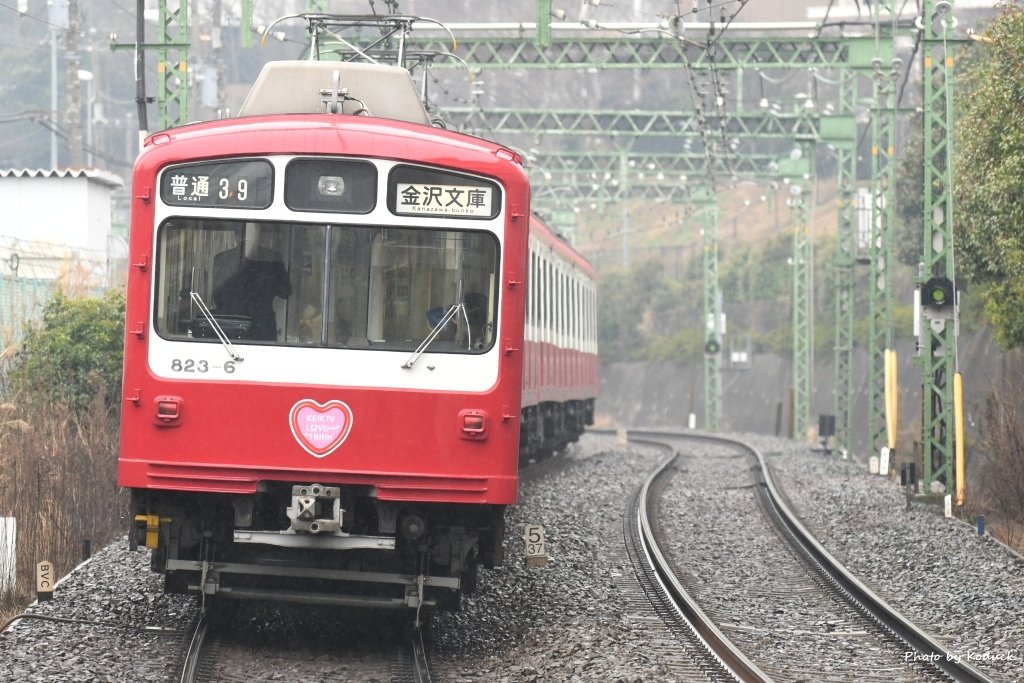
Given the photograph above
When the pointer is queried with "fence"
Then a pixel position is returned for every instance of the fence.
(21, 300)
(32, 272)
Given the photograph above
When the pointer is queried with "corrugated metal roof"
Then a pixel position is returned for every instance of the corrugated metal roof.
(93, 174)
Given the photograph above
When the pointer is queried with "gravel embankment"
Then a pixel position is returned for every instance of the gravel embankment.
(133, 630)
(964, 588)
(570, 620)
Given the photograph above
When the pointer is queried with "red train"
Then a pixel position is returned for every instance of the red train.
(344, 332)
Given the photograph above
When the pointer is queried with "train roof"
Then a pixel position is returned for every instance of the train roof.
(559, 245)
(345, 135)
(314, 87)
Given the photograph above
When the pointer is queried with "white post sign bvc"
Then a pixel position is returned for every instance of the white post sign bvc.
(44, 581)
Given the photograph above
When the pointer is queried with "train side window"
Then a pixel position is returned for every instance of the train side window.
(530, 290)
(547, 300)
(561, 307)
(575, 316)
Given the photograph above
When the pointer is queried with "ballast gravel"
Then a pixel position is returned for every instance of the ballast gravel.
(569, 620)
(963, 588)
(130, 635)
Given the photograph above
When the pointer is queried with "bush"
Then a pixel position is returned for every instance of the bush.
(73, 353)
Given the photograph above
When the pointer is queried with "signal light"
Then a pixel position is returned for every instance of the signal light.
(937, 292)
(712, 347)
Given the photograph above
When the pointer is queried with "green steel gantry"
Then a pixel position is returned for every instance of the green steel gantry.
(643, 50)
(841, 134)
(938, 325)
(798, 172)
(658, 50)
(882, 224)
(633, 124)
(172, 61)
(850, 55)
(713, 322)
(172, 64)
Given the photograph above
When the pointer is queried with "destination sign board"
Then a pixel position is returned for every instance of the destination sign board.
(443, 200)
(423, 191)
(225, 184)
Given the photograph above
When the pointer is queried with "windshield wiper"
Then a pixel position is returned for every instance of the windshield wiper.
(225, 342)
(451, 313)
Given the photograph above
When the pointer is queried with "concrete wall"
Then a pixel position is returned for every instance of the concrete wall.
(663, 395)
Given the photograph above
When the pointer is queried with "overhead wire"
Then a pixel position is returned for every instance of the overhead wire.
(713, 36)
(26, 15)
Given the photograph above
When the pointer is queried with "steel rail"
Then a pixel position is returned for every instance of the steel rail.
(190, 668)
(933, 652)
(420, 664)
(703, 627)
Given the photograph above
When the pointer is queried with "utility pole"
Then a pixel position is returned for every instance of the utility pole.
(140, 68)
(58, 18)
(73, 94)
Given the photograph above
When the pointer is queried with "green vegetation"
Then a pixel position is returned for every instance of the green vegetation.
(58, 430)
(990, 171)
(648, 315)
(73, 353)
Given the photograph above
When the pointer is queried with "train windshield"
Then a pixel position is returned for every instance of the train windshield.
(301, 284)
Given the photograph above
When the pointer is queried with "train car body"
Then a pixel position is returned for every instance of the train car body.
(325, 343)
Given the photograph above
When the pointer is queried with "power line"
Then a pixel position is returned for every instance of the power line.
(42, 21)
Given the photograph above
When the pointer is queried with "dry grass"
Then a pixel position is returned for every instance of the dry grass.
(58, 478)
(1001, 476)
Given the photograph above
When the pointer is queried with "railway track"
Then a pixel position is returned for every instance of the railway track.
(209, 654)
(261, 645)
(872, 640)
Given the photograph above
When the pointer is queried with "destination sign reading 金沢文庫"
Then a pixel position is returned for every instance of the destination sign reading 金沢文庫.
(443, 200)
(225, 184)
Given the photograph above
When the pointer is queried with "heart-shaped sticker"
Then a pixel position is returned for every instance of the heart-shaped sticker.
(320, 428)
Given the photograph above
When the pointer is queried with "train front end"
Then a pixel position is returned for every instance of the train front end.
(323, 362)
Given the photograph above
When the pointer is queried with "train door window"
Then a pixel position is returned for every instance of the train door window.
(417, 277)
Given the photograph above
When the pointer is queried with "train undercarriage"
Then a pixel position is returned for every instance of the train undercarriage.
(315, 543)
(549, 427)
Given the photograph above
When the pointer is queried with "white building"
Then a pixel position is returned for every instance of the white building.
(56, 220)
